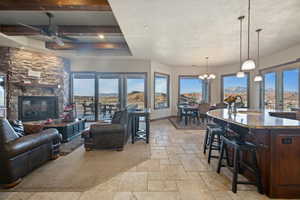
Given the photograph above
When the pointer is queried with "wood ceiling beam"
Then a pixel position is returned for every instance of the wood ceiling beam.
(67, 5)
(87, 46)
(13, 30)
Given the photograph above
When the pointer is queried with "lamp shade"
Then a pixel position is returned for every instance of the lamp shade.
(240, 74)
(212, 76)
(258, 78)
(201, 77)
(248, 64)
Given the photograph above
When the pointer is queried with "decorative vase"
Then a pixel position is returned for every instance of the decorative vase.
(229, 108)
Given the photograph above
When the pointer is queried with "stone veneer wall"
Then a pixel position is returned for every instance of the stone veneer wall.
(16, 63)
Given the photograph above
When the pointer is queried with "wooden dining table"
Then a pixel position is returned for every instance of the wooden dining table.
(187, 109)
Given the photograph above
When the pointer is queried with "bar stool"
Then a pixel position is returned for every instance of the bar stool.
(240, 147)
(212, 140)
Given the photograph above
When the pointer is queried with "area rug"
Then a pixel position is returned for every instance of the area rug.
(190, 126)
(81, 170)
(69, 147)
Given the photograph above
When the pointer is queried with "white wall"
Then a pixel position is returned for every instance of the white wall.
(284, 56)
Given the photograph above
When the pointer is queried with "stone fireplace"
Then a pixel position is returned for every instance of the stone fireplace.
(34, 108)
(34, 74)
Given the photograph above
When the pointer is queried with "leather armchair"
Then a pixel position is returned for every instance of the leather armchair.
(20, 155)
(112, 135)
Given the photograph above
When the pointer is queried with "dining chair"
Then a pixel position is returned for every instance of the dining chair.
(203, 109)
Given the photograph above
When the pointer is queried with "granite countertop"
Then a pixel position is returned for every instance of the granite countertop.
(255, 118)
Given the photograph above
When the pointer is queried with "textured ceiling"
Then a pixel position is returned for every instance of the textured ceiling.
(183, 33)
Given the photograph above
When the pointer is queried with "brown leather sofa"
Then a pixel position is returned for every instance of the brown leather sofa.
(19, 155)
(114, 135)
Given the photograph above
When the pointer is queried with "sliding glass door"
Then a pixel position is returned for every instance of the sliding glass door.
(83, 85)
(98, 96)
(108, 95)
(135, 90)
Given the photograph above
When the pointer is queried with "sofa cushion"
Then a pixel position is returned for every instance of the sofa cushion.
(18, 127)
(7, 133)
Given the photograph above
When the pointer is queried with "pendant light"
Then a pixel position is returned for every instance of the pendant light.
(207, 76)
(241, 74)
(258, 77)
(248, 64)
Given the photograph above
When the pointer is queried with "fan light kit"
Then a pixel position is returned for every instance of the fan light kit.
(101, 36)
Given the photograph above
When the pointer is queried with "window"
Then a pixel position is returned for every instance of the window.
(270, 90)
(191, 90)
(231, 85)
(280, 88)
(161, 90)
(290, 89)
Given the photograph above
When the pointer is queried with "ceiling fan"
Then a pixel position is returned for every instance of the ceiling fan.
(51, 31)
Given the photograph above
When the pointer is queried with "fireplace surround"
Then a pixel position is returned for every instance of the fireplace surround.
(34, 108)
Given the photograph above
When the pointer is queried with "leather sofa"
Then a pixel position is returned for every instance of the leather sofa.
(19, 155)
(114, 135)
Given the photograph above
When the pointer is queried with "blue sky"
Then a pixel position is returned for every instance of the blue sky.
(190, 85)
(161, 84)
(290, 80)
(85, 87)
(233, 81)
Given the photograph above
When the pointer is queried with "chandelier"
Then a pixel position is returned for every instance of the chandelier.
(207, 76)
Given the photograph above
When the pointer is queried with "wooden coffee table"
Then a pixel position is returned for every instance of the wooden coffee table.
(68, 130)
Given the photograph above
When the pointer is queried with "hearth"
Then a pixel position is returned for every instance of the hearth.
(33, 108)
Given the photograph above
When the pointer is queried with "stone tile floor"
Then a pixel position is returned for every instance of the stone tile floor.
(177, 170)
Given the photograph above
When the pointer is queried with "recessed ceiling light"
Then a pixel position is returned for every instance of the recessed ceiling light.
(101, 36)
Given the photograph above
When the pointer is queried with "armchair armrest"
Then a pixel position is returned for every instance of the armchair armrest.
(26, 143)
(107, 129)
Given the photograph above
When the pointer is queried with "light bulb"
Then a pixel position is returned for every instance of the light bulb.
(248, 64)
(240, 74)
(258, 78)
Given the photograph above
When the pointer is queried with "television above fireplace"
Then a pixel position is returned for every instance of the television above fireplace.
(34, 108)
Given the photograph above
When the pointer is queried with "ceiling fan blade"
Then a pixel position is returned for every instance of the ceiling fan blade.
(31, 27)
(68, 38)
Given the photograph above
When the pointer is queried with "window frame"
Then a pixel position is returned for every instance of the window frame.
(168, 90)
(205, 88)
(248, 86)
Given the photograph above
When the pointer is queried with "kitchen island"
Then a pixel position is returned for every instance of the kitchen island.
(278, 142)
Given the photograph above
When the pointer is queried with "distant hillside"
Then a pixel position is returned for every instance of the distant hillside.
(237, 89)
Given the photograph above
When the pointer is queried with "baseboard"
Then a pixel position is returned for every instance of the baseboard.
(162, 118)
